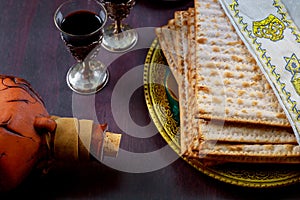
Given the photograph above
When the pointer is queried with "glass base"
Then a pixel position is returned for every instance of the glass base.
(90, 80)
(119, 42)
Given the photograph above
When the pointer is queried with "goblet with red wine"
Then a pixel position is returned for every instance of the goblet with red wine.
(118, 37)
(81, 23)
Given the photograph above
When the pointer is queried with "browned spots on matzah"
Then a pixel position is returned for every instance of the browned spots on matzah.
(229, 100)
(228, 35)
(227, 111)
(218, 64)
(236, 58)
(259, 114)
(267, 86)
(251, 60)
(257, 77)
(246, 84)
(235, 148)
(210, 65)
(260, 94)
(202, 40)
(244, 111)
(275, 105)
(255, 68)
(241, 92)
(204, 89)
(252, 94)
(233, 43)
(216, 49)
(201, 78)
(181, 62)
(231, 27)
(216, 100)
(281, 115)
(213, 73)
(227, 82)
(240, 101)
(242, 75)
(228, 74)
(254, 103)
(202, 111)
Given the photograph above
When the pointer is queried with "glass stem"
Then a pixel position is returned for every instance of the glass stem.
(85, 70)
(118, 28)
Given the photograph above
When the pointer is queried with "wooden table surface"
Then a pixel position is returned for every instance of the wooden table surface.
(30, 47)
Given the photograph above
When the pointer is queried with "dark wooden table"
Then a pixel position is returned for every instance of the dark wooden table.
(30, 47)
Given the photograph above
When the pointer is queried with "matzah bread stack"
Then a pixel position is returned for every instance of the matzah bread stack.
(228, 111)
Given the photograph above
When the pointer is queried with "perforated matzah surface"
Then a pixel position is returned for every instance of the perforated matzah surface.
(228, 111)
(230, 85)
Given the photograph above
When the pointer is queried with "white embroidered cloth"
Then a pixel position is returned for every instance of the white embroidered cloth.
(274, 40)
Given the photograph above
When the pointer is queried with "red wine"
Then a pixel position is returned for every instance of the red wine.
(80, 32)
(81, 23)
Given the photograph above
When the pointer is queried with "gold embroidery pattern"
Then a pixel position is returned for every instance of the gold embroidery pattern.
(263, 52)
(293, 66)
(270, 28)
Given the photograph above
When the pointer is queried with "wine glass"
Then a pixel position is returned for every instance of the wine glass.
(81, 23)
(118, 37)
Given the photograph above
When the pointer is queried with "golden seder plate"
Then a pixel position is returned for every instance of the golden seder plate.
(161, 99)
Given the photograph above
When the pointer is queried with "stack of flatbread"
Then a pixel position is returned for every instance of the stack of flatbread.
(228, 111)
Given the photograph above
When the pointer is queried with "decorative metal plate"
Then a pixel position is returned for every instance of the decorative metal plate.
(163, 114)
